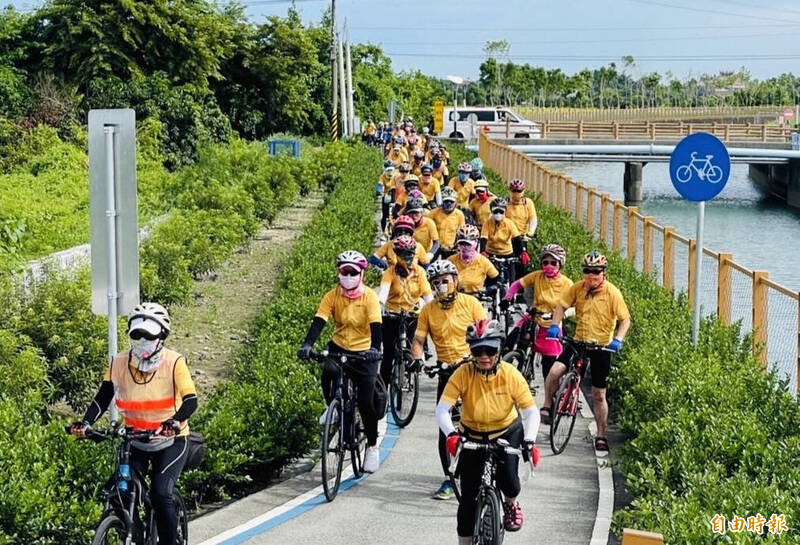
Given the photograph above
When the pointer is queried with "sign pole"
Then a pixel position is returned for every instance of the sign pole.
(111, 223)
(698, 271)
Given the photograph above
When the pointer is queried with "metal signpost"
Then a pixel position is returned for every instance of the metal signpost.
(699, 168)
(392, 110)
(113, 218)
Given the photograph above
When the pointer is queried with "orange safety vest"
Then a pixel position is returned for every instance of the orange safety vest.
(146, 400)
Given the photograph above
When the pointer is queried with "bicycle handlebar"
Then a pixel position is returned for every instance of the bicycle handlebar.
(102, 434)
(499, 445)
(341, 357)
(433, 370)
(586, 345)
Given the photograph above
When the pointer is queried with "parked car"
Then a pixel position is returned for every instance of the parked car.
(497, 121)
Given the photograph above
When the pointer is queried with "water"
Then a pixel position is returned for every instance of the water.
(761, 232)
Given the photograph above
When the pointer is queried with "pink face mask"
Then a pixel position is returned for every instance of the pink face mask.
(352, 286)
(467, 253)
(550, 271)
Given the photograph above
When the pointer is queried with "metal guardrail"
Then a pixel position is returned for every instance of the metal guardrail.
(770, 311)
(664, 113)
(663, 130)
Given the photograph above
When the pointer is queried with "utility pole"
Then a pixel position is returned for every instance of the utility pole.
(342, 88)
(334, 92)
(349, 60)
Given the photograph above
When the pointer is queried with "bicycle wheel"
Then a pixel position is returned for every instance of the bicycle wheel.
(332, 450)
(683, 174)
(183, 520)
(359, 445)
(488, 518)
(714, 174)
(404, 393)
(517, 359)
(110, 531)
(563, 413)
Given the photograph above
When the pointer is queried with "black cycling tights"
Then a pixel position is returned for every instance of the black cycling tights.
(363, 375)
(165, 468)
(470, 463)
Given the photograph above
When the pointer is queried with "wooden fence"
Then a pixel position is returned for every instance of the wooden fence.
(666, 113)
(771, 311)
(663, 130)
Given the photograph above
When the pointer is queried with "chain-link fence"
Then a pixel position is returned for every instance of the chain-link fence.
(732, 292)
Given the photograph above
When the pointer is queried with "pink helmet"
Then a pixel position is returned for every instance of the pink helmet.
(404, 222)
(352, 257)
(516, 185)
(465, 167)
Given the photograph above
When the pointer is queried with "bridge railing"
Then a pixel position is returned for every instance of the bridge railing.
(729, 290)
(664, 113)
(663, 130)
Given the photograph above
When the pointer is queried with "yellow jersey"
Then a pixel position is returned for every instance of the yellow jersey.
(521, 214)
(352, 318)
(463, 191)
(430, 189)
(405, 293)
(447, 225)
(498, 236)
(547, 292)
(488, 402)
(481, 210)
(472, 276)
(426, 233)
(448, 327)
(597, 313)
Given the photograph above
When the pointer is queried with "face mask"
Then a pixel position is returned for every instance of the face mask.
(462, 176)
(400, 270)
(148, 353)
(467, 253)
(482, 197)
(388, 173)
(498, 217)
(349, 282)
(550, 271)
(443, 288)
(437, 163)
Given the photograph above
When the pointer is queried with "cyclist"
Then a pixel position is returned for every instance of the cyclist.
(448, 220)
(477, 169)
(463, 185)
(410, 185)
(398, 154)
(473, 268)
(154, 392)
(419, 160)
(402, 287)
(522, 212)
(446, 320)
(490, 391)
(357, 330)
(430, 186)
(385, 256)
(599, 307)
(440, 171)
(369, 133)
(501, 238)
(481, 206)
(425, 231)
(386, 190)
(549, 286)
(424, 138)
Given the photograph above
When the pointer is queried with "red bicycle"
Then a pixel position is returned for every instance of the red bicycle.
(566, 402)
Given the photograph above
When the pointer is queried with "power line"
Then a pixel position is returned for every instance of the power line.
(570, 29)
(609, 57)
(713, 11)
(759, 7)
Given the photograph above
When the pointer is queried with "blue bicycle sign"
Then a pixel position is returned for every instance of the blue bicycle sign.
(699, 167)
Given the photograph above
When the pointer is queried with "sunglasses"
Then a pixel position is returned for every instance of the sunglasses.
(440, 282)
(484, 351)
(498, 211)
(549, 262)
(516, 191)
(349, 272)
(592, 271)
(480, 191)
(139, 334)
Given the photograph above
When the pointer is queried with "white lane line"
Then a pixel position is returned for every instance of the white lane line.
(605, 484)
(289, 505)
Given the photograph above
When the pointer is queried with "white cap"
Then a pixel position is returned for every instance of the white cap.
(145, 324)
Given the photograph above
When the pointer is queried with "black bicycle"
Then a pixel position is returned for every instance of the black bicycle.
(343, 430)
(489, 529)
(404, 386)
(566, 401)
(128, 516)
(521, 352)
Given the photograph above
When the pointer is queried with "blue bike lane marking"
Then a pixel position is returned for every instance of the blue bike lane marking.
(386, 445)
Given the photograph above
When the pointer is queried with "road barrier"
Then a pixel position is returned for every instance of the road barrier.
(663, 130)
(662, 113)
(768, 310)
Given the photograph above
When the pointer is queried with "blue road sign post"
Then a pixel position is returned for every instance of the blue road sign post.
(699, 168)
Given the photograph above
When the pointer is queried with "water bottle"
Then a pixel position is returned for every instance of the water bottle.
(124, 477)
(379, 188)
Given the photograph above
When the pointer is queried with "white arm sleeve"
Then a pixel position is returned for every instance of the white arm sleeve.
(570, 312)
(532, 226)
(438, 198)
(444, 420)
(530, 422)
(383, 293)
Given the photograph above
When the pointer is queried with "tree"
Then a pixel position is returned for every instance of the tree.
(497, 50)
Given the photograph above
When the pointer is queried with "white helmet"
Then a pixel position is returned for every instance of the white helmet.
(150, 312)
(352, 257)
(441, 267)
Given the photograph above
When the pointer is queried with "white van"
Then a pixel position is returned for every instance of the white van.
(499, 120)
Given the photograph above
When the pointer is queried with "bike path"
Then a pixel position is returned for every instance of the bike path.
(394, 505)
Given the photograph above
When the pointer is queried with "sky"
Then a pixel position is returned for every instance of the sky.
(684, 37)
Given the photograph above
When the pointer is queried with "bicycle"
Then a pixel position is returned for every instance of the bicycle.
(128, 516)
(707, 171)
(523, 354)
(343, 430)
(404, 384)
(455, 416)
(566, 400)
(489, 528)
